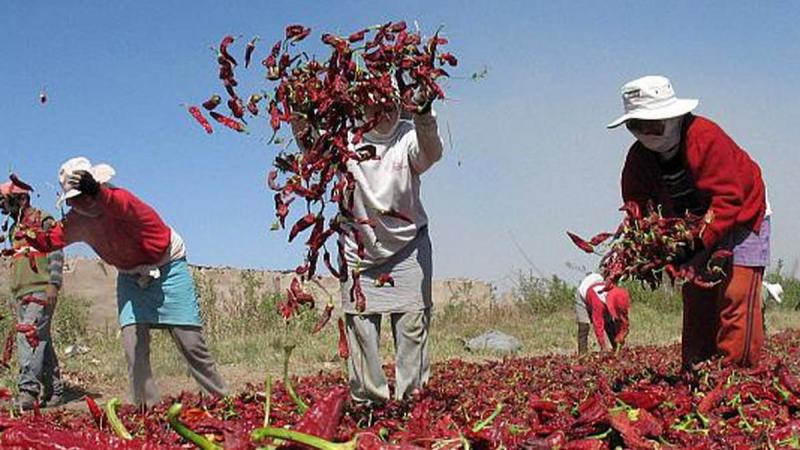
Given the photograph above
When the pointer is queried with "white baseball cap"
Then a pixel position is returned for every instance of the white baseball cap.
(652, 98)
(102, 173)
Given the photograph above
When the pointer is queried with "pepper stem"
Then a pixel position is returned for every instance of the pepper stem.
(114, 420)
(302, 438)
(488, 421)
(287, 382)
(173, 414)
(267, 399)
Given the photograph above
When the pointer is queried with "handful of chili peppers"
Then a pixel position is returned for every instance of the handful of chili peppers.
(647, 245)
(377, 67)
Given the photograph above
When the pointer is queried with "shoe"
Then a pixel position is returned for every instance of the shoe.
(25, 400)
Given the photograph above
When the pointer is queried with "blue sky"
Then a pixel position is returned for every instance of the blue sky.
(530, 155)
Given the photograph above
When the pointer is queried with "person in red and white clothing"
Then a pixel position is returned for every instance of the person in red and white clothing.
(155, 288)
(687, 163)
(604, 310)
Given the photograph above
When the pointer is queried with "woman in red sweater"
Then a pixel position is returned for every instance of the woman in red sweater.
(686, 163)
(155, 288)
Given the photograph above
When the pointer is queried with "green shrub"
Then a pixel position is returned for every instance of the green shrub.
(542, 295)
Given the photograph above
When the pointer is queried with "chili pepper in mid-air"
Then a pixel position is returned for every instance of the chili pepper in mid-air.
(19, 183)
(42, 97)
(580, 243)
(344, 350)
(228, 122)
(236, 107)
(302, 224)
(223, 49)
(252, 104)
(248, 51)
(324, 318)
(212, 102)
(296, 33)
(198, 116)
(449, 59)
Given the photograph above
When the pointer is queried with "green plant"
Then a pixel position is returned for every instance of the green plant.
(542, 295)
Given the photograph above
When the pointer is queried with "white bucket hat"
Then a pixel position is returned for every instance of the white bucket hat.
(652, 98)
(775, 291)
(102, 173)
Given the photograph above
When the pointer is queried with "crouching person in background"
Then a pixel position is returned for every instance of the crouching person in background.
(155, 288)
(35, 282)
(605, 311)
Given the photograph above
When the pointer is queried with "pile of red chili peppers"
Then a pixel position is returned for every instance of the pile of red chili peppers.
(375, 67)
(646, 245)
(637, 399)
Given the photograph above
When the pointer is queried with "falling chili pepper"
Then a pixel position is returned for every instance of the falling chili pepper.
(248, 51)
(324, 318)
(252, 104)
(212, 102)
(580, 243)
(236, 107)
(198, 116)
(223, 49)
(228, 122)
(302, 224)
(344, 350)
(19, 183)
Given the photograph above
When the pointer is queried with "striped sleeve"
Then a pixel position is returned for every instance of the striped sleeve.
(55, 266)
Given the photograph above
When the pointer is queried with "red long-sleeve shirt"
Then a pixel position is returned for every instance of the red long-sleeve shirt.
(612, 309)
(126, 234)
(727, 180)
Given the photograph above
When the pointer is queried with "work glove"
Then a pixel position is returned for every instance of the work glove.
(83, 181)
(423, 98)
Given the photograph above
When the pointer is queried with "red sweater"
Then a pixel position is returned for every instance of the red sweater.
(127, 233)
(727, 180)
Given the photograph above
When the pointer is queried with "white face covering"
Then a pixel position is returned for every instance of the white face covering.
(666, 143)
(377, 135)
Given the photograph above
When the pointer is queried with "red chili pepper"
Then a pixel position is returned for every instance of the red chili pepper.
(302, 224)
(19, 183)
(384, 279)
(212, 102)
(32, 299)
(30, 332)
(228, 122)
(198, 116)
(358, 36)
(297, 33)
(344, 350)
(95, 411)
(223, 49)
(252, 104)
(449, 59)
(236, 107)
(248, 51)
(357, 293)
(582, 244)
(324, 318)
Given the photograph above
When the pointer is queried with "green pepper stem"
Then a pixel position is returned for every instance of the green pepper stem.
(302, 407)
(267, 399)
(488, 421)
(302, 438)
(173, 414)
(114, 420)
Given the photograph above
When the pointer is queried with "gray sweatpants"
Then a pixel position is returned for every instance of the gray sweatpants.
(37, 367)
(190, 342)
(412, 367)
